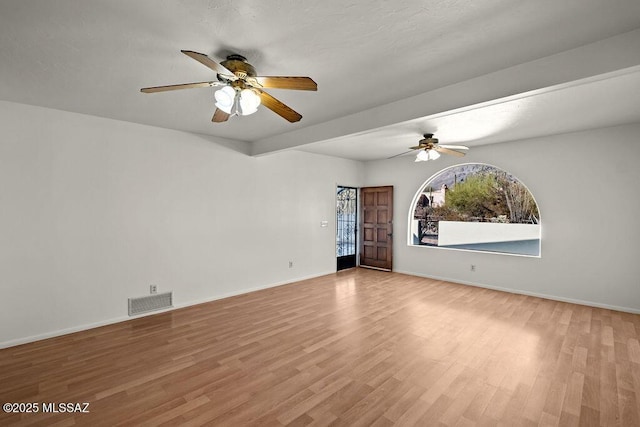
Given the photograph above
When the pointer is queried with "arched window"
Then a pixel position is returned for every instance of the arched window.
(478, 207)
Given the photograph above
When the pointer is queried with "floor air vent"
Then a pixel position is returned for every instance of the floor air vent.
(150, 303)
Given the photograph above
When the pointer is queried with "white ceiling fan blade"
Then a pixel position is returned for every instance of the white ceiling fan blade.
(454, 147)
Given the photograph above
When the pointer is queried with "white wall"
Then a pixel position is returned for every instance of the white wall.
(93, 211)
(590, 246)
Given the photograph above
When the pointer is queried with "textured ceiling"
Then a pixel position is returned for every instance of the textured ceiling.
(584, 104)
(93, 57)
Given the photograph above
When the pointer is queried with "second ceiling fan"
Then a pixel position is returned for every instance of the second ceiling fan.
(429, 149)
(242, 90)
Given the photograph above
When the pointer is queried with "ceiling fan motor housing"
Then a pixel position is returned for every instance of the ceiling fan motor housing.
(239, 66)
(428, 140)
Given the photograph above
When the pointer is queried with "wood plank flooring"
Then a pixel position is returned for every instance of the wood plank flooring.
(359, 347)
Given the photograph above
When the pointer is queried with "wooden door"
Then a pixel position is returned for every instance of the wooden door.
(377, 227)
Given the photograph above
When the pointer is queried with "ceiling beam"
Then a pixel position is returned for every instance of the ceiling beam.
(605, 56)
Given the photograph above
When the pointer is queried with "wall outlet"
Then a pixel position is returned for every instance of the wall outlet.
(290, 264)
(473, 267)
(153, 289)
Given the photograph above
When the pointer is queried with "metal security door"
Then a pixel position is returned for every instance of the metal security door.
(346, 227)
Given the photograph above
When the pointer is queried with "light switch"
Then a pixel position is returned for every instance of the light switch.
(324, 223)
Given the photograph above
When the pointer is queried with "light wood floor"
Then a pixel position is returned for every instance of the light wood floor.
(359, 347)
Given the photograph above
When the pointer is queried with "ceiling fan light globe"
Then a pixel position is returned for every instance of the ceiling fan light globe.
(225, 98)
(225, 108)
(433, 154)
(422, 156)
(249, 102)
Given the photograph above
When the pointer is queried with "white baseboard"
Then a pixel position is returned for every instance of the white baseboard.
(84, 327)
(249, 290)
(522, 292)
(59, 332)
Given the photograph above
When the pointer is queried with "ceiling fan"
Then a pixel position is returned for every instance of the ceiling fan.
(242, 90)
(429, 149)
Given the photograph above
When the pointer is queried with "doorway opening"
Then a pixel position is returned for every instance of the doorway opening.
(346, 227)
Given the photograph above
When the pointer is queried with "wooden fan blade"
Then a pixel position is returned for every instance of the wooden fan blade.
(443, 150)
(402, 154)
(176, 87)
(418, 147)
(208, 62)
(454, 147)
(278, 107)
(219, 116)
(277, 82)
